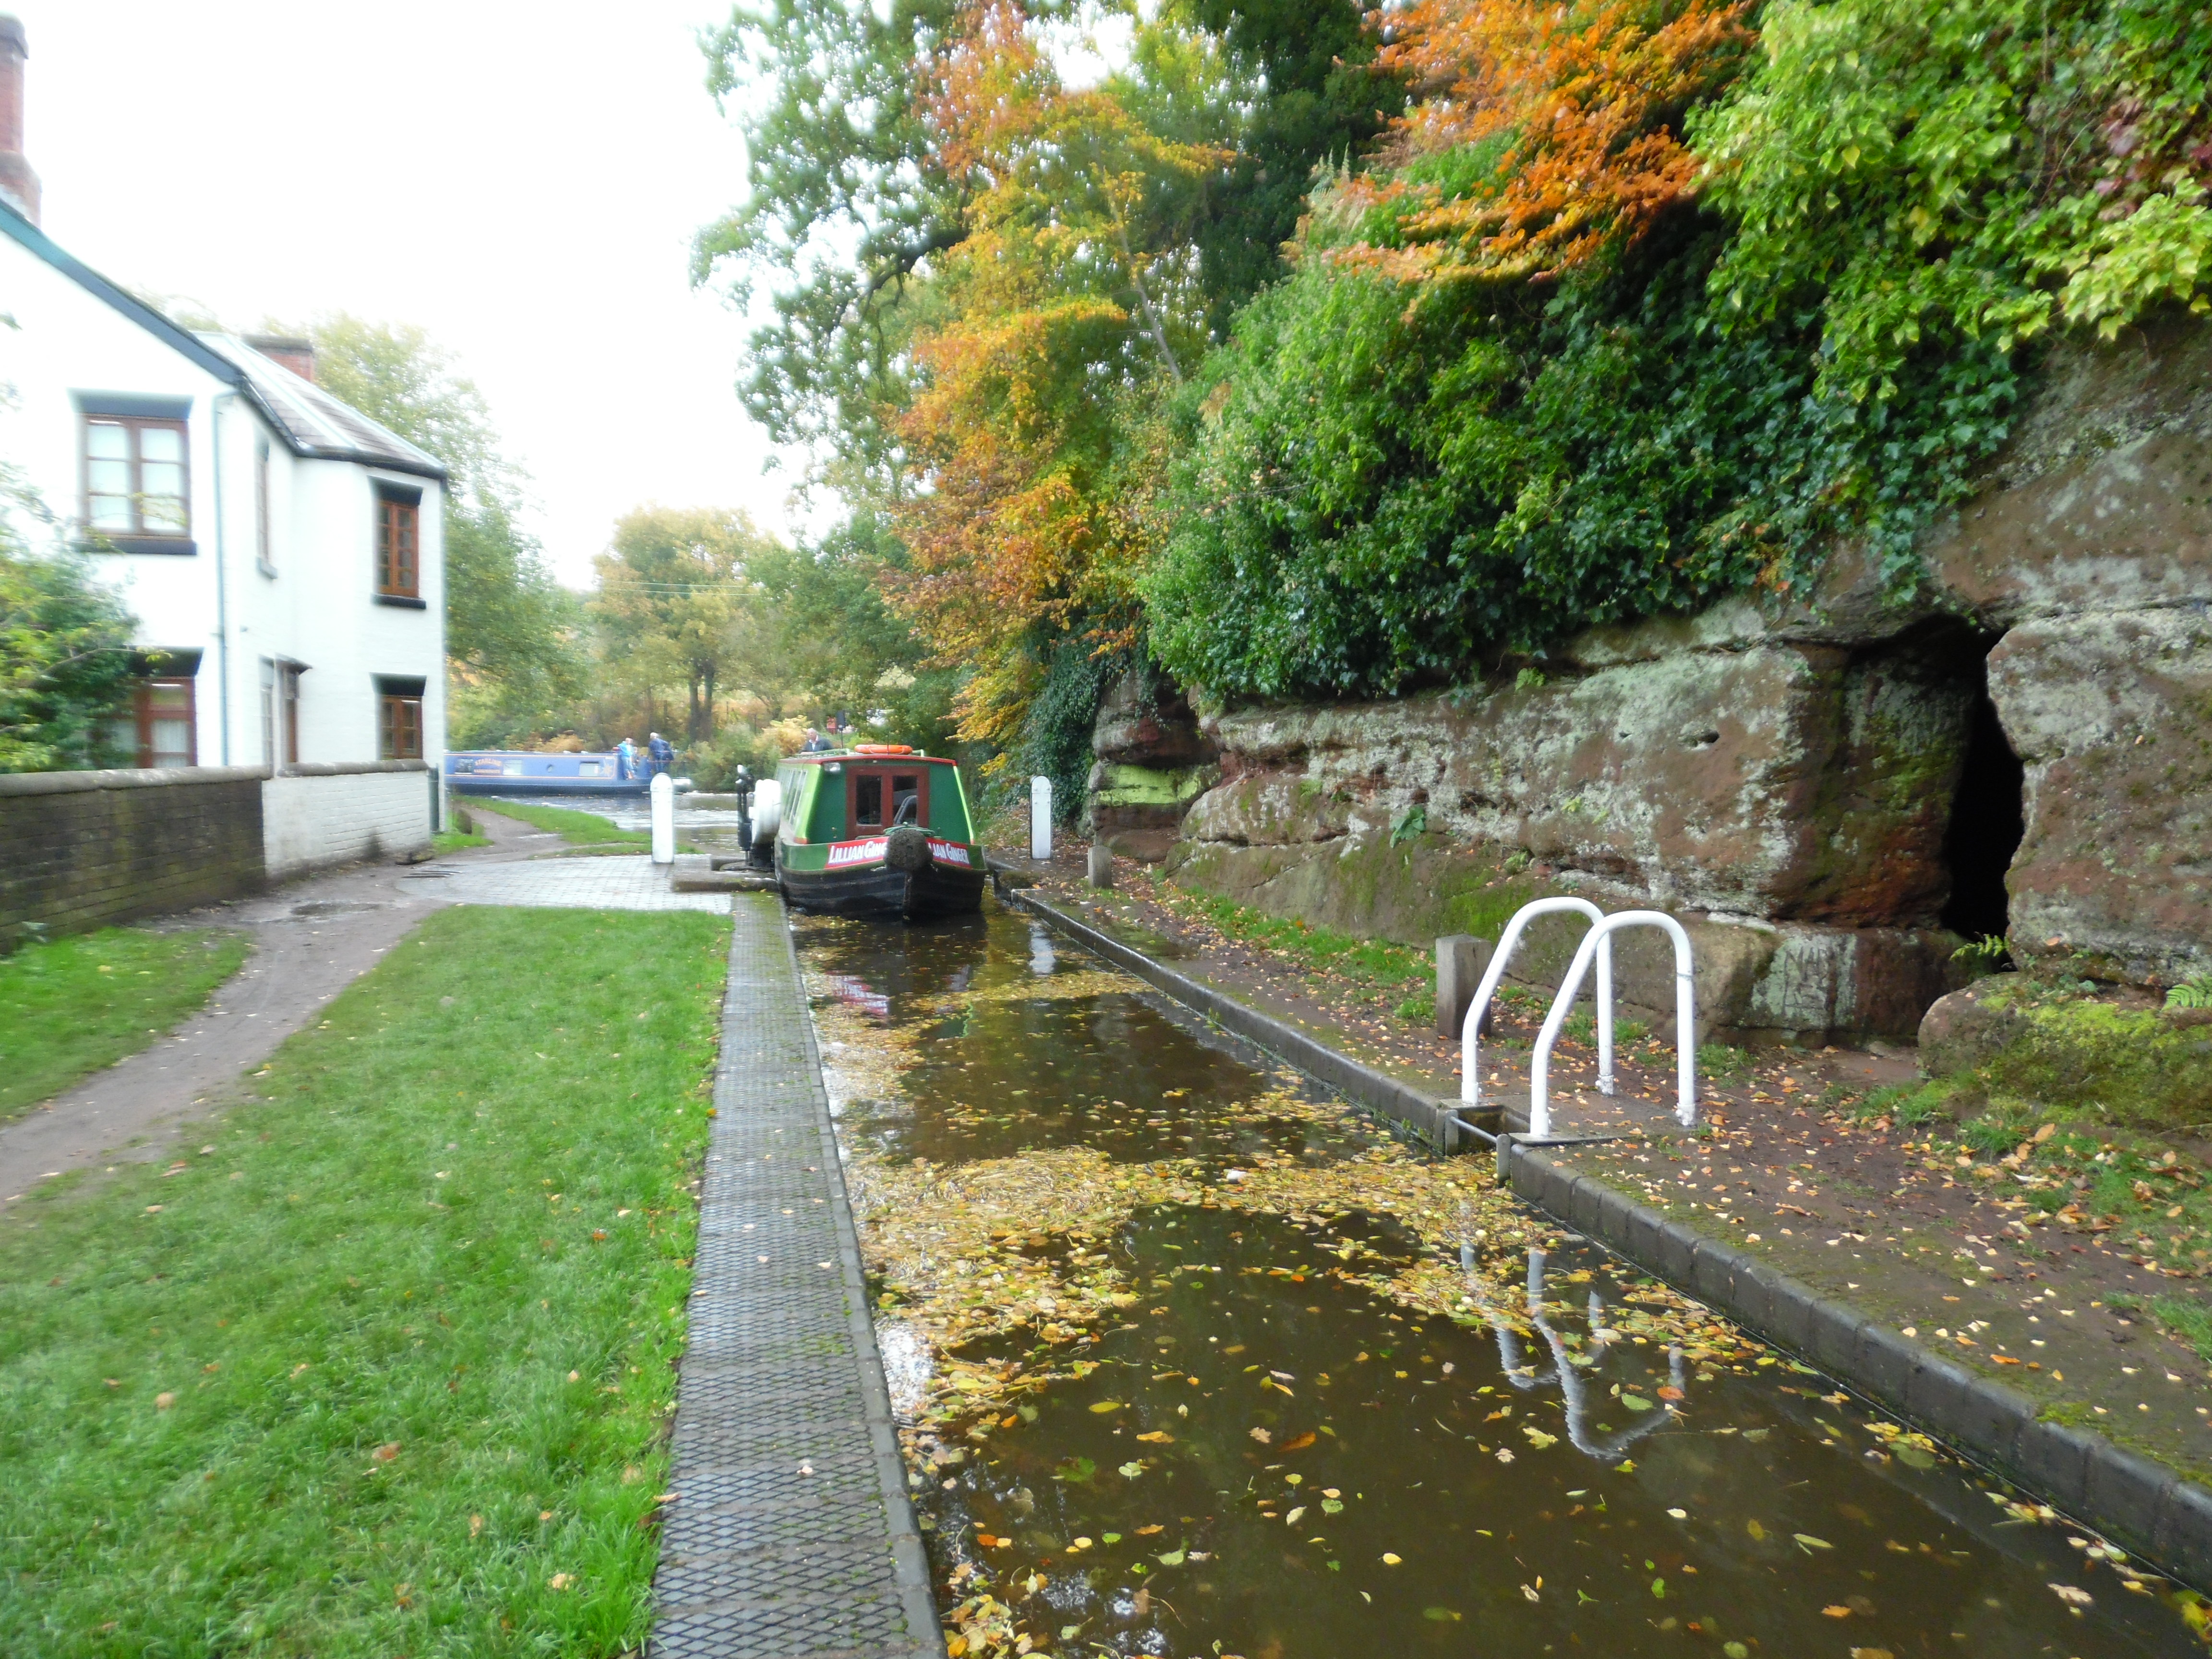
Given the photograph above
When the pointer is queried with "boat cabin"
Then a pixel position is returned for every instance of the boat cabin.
(847, 796)
(877, 830)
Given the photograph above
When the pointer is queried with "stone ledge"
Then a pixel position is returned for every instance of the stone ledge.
(695, 873)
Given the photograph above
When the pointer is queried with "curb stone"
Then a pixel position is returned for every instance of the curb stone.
(2161, 1516)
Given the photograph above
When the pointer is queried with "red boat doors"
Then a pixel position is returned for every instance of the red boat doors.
(877, 797)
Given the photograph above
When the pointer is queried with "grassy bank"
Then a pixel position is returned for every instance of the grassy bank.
(382, 1370)
(71, 1006)
(577, 828)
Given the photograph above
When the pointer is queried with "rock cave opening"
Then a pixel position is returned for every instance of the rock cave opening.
(1987, 820)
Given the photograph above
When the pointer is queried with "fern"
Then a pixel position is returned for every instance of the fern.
(2195, 992)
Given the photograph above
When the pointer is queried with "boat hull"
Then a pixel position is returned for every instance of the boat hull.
(876, 890)
(461, 783)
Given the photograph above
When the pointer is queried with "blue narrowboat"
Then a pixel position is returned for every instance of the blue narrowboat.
(508, 772)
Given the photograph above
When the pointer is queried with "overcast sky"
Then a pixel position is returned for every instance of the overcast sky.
(522, 180)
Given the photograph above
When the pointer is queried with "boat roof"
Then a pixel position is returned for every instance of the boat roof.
(855, 754)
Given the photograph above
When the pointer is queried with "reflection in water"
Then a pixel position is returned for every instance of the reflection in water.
(1565, 1370)
(1301, 1415)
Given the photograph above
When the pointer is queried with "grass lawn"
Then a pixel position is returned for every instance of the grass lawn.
(577, 828)
(383, 1368)
(456, 840)
(69, 1008)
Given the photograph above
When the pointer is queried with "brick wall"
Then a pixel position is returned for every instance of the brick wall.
(79, 850)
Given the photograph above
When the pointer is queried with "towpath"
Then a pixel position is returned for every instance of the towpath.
(789, 1533)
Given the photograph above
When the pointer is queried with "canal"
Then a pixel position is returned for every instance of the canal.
(1192, 1361)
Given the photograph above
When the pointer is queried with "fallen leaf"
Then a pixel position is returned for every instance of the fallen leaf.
(1146, 1532)
(163, 1401)
(1103, 1406)
(1159, 1438)
(1811, 1542)
(561, 1581)
(1172, 1558)
(1835, 1612)
(475, 1526)
(1298, 1444)
(1390, 1560)
(2073, 1597)
(386, 1452)
(1263, 1437)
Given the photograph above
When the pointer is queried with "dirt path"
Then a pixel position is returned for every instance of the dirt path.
(312, 938)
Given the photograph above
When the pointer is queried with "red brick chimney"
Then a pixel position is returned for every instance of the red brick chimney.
(294, 352)
(19, 185)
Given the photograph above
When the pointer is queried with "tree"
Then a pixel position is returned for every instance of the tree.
(66, 666)
(678, 605)
(511, 631)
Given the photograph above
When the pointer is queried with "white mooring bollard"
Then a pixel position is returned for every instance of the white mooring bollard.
(1040, 818)
(663, 791)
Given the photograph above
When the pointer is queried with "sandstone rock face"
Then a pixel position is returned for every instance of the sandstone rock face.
(2111, 716)
(1153, 761)
(1778, 781)
(1786, 777)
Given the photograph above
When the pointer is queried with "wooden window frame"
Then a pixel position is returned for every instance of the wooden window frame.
(134, 424)
(398, 715)
(142, 717)
(885, 770)
(398, 577)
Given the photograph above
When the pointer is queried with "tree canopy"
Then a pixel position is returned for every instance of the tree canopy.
(511, 631)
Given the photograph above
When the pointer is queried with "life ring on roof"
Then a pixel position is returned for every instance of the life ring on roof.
(883, 748)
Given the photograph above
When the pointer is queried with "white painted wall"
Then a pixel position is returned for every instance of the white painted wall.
(313, 819)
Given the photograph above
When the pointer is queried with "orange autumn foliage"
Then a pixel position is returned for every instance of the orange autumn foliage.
(1065, 296)
(1583, 104)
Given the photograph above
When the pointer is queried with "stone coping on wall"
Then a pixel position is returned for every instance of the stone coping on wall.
(158, 777)
(134, 777)
(2160, 1515)
(346, 769)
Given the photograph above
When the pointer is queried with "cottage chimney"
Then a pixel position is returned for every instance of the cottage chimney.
(294, 352)
(19, 185)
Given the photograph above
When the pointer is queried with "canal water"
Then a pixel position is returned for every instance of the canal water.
(1192, 1361)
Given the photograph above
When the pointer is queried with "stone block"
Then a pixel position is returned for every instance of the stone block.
(2181, 1533)
(1882, 1363)
(2053, 1461)
(1461, 959)
(2108, 714)
(2125, 1491)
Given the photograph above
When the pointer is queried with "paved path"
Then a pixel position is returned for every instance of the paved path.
(621, 881)
(791, 1535)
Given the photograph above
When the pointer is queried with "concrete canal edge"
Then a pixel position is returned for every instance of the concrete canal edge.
(2161, 1517)
(790, 1533)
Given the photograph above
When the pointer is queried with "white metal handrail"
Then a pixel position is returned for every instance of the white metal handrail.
(1597, 942)
(1470, 1069)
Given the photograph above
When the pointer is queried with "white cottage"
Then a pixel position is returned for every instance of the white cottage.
(283, 553)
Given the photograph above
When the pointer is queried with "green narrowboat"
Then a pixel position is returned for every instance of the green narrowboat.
(878, 830)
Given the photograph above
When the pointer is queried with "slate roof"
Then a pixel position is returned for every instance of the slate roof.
(310, 422)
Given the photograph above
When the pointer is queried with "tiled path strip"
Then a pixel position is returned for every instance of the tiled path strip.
(790, 1536)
